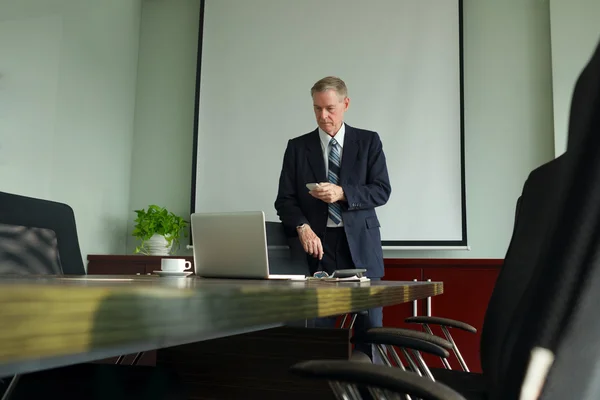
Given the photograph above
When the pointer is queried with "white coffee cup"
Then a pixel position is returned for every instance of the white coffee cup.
(175, 264)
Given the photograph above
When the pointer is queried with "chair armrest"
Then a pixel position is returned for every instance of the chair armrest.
(413, 334)
(407, 338)
(442, 321)
(393, 379)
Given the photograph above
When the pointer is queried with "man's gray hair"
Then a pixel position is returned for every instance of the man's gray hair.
(330, 83)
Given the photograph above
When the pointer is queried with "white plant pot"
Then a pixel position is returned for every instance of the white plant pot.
(157, 246)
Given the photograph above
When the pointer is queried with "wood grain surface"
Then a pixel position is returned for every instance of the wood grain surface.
(50, 321)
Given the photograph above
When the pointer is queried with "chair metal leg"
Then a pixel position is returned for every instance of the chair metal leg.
(381, 349)
(382, 394)
(411, 362)
(422, 364)
(446, 363)
(344, 391)
(352, 392)
(11, 387)
(337, 389)
(427, 329)
(461, 360)
(353, 321)
(343, 321)
(137, 358)
(395, 357)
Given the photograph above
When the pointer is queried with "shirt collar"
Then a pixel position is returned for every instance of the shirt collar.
(339, 136)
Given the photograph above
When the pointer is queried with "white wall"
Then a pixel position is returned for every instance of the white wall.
(508, 98)
(67, 91)
(164, 115)
(575, 31)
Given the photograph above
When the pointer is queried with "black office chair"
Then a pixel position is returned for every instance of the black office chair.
(286, 256)
(542, 307)
(39, 237)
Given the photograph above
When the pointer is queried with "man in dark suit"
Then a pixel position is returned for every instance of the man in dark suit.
(336, 222)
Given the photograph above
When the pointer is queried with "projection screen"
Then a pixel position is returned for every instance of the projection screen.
(402, 63)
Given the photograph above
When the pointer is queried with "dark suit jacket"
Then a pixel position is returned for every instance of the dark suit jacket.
(364, 178)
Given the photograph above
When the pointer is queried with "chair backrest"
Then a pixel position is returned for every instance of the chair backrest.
(538, 201)
(38, 237)
(28, 251)
(285, 253)
(563, 294)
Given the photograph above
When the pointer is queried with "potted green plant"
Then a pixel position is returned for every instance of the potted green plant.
(158, 230)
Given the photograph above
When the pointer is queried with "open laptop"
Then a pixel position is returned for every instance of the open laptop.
(232, 245)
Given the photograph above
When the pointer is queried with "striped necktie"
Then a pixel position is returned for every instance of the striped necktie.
(335, 210)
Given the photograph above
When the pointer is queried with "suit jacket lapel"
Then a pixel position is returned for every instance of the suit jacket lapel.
(315, 156)
(349, 153)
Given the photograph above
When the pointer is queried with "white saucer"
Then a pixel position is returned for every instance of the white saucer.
(174, 274)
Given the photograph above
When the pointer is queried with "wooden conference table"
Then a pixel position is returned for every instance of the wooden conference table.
(50, 321)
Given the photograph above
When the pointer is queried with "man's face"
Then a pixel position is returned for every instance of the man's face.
(329, 110)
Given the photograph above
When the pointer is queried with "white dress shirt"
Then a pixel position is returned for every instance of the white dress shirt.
(325, 139)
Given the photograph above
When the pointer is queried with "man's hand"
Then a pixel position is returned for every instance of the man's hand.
(328, 192)
(310, 241)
